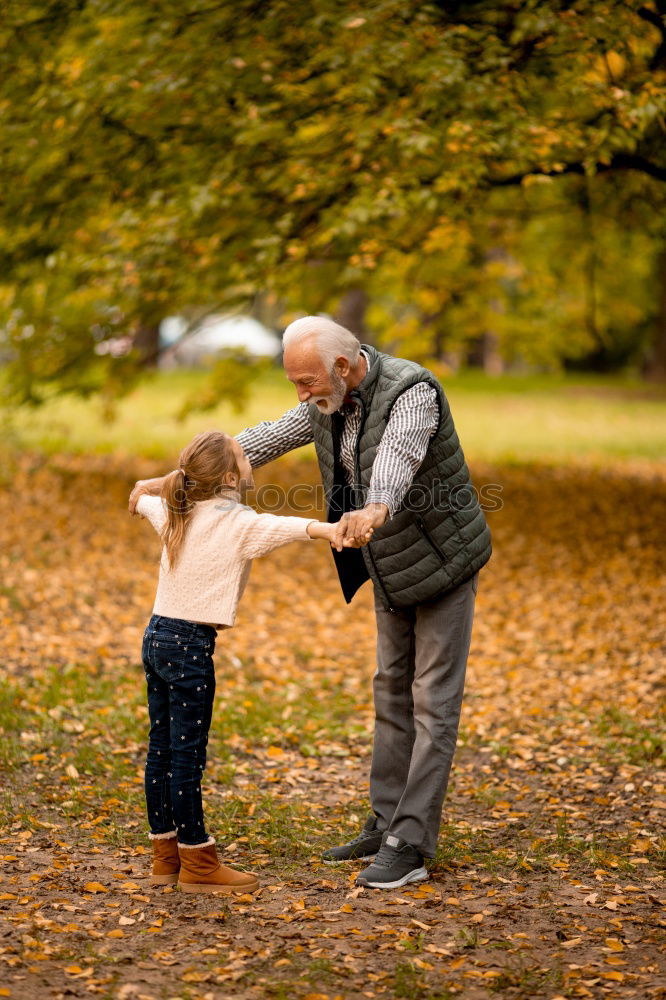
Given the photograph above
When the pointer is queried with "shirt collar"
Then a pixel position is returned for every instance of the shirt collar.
(367, 362)
(352, 406)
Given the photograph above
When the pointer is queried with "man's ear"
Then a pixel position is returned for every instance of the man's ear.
(342, 366)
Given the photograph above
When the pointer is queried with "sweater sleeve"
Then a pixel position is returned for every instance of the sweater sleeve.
(153, 509)
(265, 532)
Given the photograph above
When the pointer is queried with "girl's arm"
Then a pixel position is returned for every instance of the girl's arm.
(152, 508)
(265, 532)
(144, 487)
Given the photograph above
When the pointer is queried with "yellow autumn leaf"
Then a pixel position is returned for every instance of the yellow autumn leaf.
(94, 887)
(195, 977)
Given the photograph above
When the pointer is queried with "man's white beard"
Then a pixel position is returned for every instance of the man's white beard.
(336, 399)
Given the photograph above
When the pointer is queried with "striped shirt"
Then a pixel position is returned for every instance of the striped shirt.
(413, 421)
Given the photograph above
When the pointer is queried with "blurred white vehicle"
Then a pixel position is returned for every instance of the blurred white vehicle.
(213, 336)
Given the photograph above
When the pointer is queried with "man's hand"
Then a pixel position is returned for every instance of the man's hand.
(355, 529)
(150, 486)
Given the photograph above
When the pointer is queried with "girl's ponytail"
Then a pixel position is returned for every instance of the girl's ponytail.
(202, 468)
(179, 510)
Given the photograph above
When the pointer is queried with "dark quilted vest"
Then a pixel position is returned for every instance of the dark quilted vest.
(439, 538)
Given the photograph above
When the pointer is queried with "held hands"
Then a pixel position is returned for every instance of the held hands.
(340, 536)
(356, 528)
(336, 536)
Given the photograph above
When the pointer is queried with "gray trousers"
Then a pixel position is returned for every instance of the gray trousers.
(418, 689)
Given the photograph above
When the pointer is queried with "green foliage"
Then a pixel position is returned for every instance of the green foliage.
(485, 167)
(232, 377)
(510, 419)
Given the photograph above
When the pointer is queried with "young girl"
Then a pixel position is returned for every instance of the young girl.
(209, 541)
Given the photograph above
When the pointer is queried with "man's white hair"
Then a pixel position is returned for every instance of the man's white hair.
(333, 341)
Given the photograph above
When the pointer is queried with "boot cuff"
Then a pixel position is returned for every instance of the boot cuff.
(163, 836)
(194, 847)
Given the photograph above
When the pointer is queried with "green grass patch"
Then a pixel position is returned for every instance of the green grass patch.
(550, 418)
(320, 713)
(85, 731)
(633, 740)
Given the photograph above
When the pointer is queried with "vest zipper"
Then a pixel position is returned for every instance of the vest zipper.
(358, 479)
(428, 537)
(381, 582)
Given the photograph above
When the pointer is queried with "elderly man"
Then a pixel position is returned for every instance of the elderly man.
(391, 461)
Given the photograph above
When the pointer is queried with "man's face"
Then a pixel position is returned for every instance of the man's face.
(246, 478)
(304, 367)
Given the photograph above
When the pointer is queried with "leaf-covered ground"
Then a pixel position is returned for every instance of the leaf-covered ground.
(549, 880)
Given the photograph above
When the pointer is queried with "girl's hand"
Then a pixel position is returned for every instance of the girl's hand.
(340, 541)
(150, 486)
(334, 533)
(359, 541)
(357, 526)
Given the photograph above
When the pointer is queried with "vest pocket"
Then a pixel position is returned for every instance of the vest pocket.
(420, 523)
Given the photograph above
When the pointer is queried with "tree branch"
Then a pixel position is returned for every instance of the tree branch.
(621, 161)
(658, 19)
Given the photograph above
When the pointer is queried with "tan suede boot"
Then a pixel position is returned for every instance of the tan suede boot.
(166, 862)
(200, 871)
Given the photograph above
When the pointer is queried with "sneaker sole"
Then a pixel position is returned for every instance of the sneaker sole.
(345, 861)
(419, 875)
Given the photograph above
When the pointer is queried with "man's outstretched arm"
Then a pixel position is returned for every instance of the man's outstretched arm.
(262, 444)
(268, 440)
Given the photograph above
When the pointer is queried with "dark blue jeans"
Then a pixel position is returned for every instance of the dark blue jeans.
(178, 661)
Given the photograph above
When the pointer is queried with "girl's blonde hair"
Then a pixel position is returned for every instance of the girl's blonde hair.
(202, 468)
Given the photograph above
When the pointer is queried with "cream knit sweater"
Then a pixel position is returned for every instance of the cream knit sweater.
(223, 537)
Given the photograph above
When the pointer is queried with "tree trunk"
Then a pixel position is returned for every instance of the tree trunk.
(147, 343)
(655, 368)
(484, 351)
(493, 362)
(351, 312)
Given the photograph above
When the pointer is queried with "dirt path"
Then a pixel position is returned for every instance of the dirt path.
(549, 881)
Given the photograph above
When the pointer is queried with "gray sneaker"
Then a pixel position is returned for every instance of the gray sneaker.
(396, 864)
(361, 848)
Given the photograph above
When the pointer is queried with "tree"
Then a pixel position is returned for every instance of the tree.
(158, 156)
